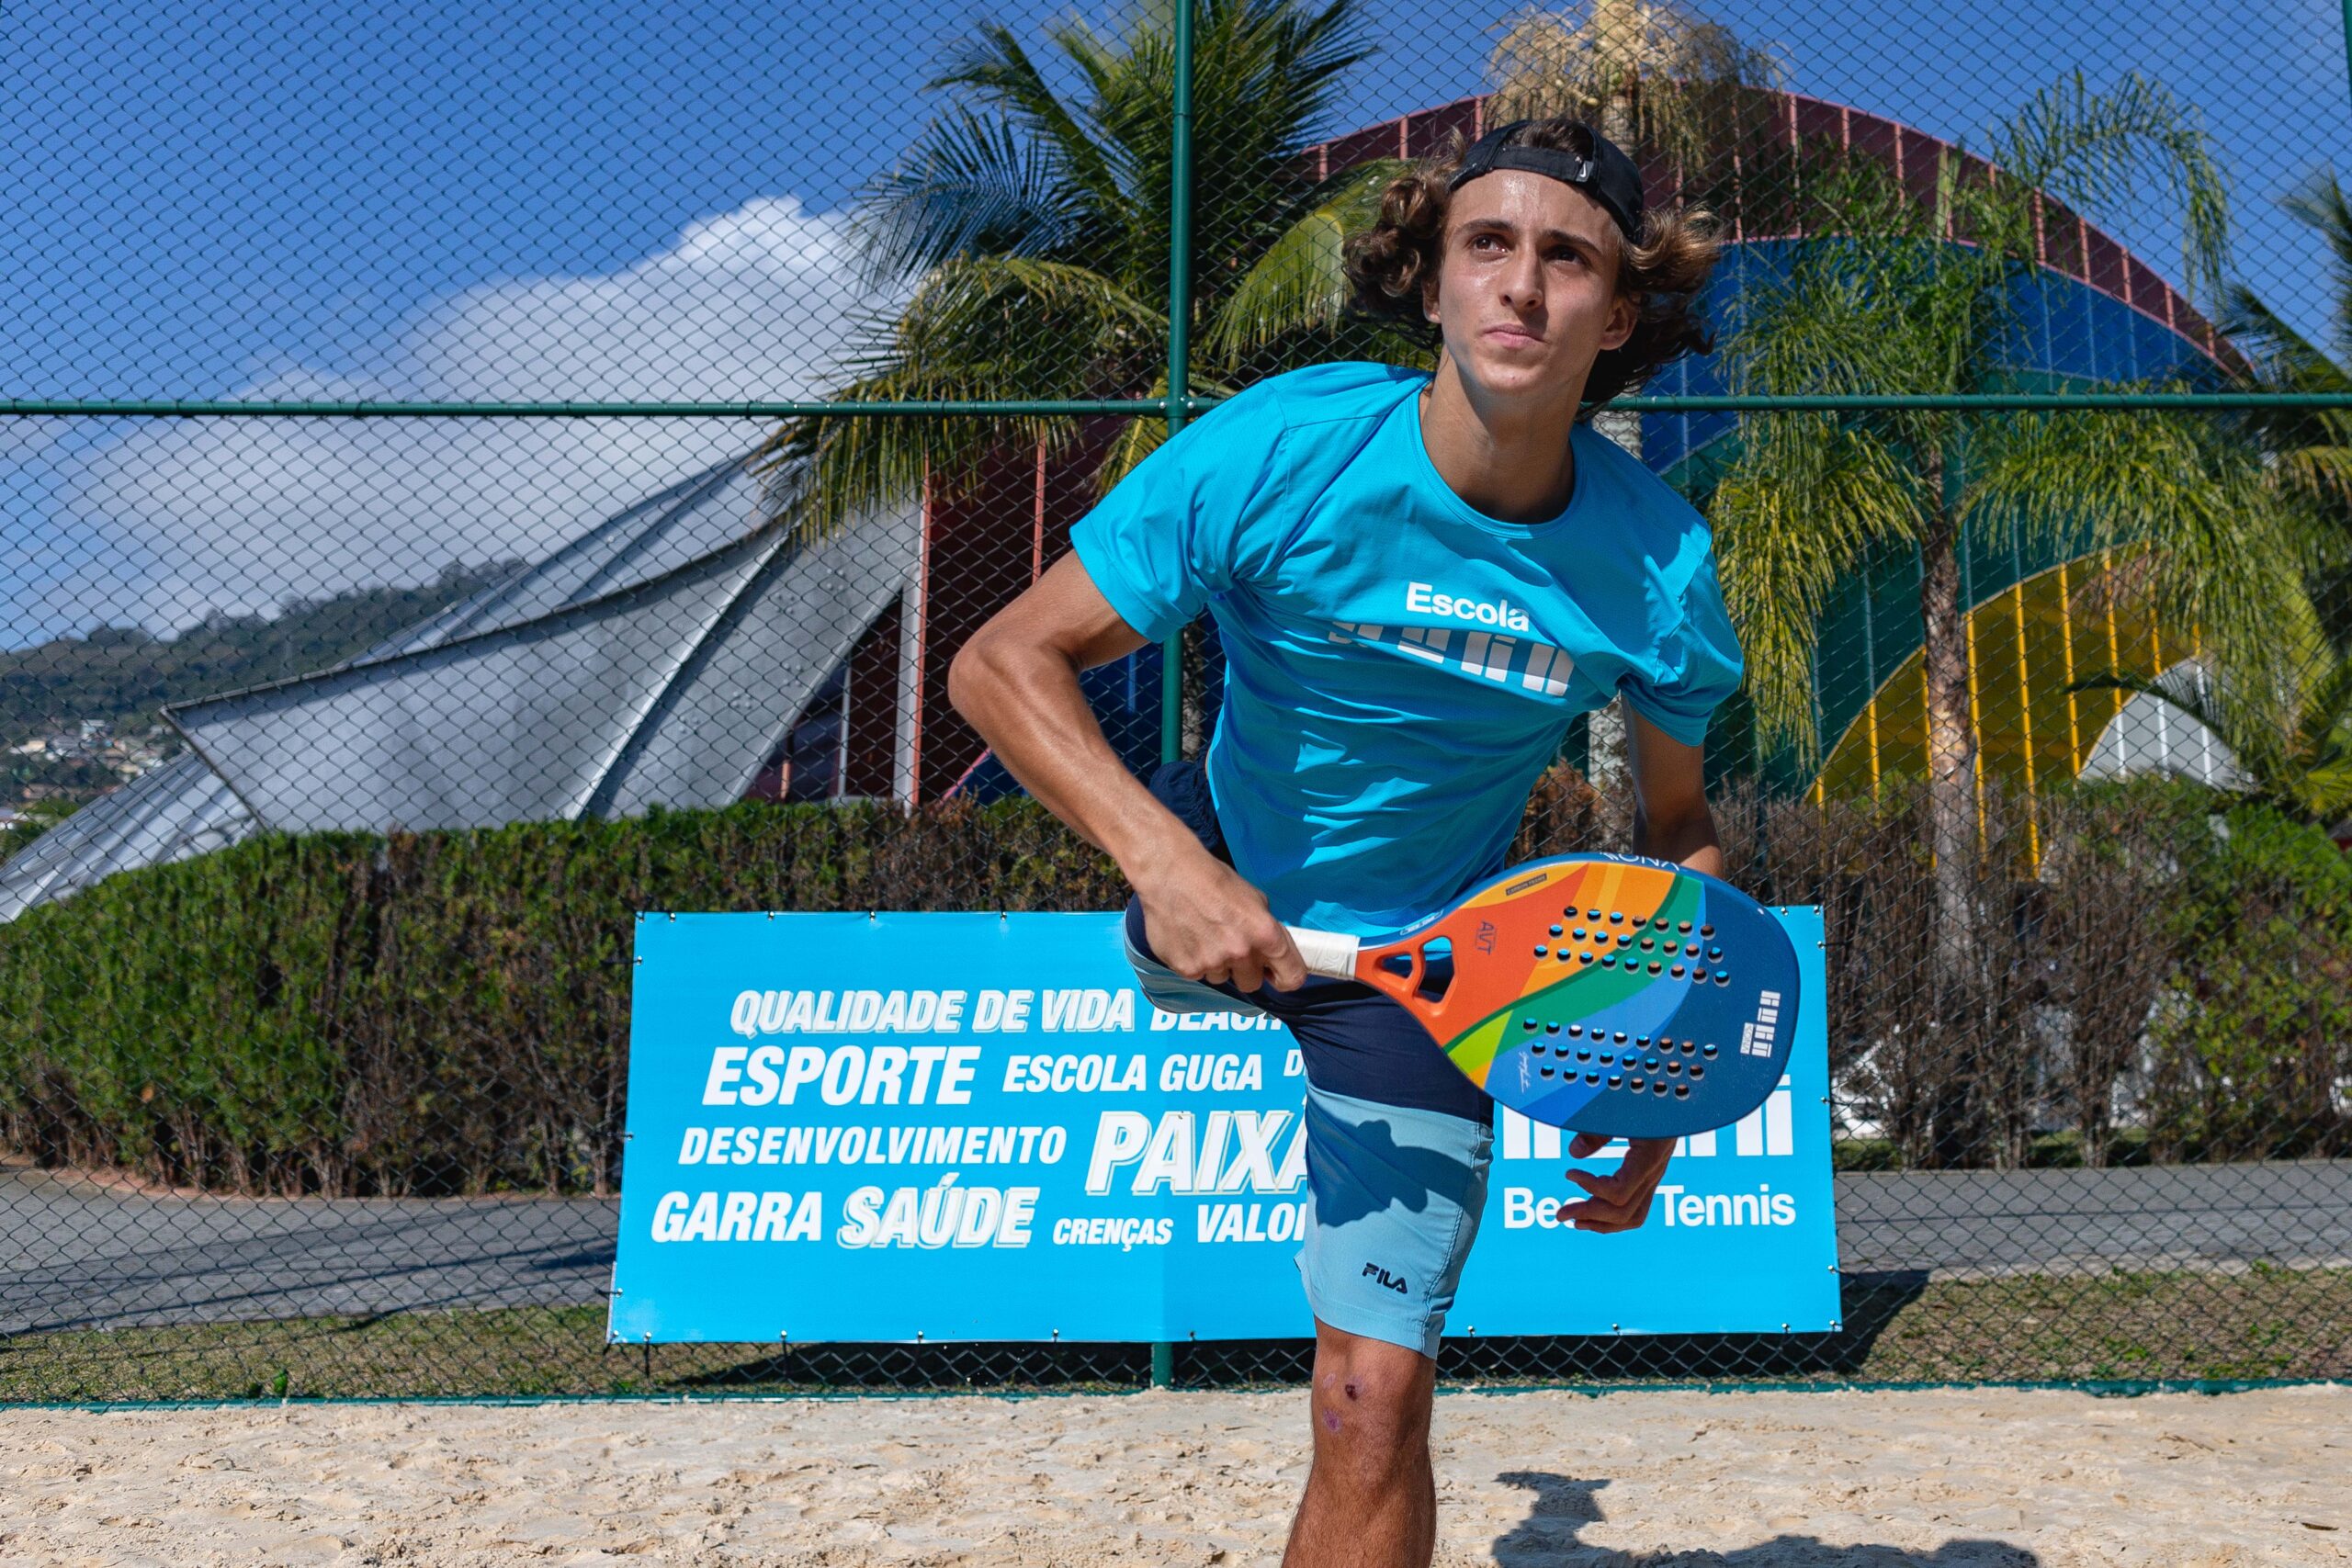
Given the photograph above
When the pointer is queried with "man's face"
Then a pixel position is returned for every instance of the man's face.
(1526, 284)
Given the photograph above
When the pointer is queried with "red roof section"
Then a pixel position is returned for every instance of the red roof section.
(2067, 244)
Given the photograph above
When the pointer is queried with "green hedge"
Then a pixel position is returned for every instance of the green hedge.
(446, 1012)
(2254, 1030)
(430, 1013)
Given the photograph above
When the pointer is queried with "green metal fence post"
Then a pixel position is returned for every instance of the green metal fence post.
(1179, 342)
(1180, 363)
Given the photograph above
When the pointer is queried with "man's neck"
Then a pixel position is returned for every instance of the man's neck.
(1509, 457)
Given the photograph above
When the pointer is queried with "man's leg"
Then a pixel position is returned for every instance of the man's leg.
(1371, 1499)
(1394, 1194)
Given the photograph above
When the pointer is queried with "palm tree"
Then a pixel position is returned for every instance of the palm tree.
(1894, 294)
(2293, 744)
(2312, 448)
(1651, 74)
(1655, 77)
(1030, 235)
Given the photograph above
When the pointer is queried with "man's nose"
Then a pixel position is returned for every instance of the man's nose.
(1523, 281)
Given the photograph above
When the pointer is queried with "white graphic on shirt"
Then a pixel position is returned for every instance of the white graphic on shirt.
(1423, 598)
(1539, 666)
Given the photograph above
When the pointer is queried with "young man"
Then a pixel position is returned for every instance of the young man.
(1418, 581)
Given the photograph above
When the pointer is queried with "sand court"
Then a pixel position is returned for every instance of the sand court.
(1768, 1479)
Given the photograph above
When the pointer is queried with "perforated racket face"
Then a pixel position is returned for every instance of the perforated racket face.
(1606, 993)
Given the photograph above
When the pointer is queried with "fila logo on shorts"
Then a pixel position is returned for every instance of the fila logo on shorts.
(1756, 1039)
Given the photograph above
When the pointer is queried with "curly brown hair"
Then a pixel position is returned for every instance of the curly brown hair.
(1390, 264)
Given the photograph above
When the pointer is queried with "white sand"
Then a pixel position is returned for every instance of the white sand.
(1527, 1480)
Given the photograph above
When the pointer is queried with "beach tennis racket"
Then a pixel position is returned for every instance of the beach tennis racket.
(1603, 993)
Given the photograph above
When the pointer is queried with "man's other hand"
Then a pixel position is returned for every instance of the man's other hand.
(1618, 1200)
(1206, 923)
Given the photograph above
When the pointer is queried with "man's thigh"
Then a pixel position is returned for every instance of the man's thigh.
(1394, 1199)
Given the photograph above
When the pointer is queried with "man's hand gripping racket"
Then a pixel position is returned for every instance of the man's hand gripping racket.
(1609, 994)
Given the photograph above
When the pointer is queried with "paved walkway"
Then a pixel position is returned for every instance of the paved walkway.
(77, 1255)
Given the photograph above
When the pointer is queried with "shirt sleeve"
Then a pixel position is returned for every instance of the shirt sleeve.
(1189, 521)
(1700, 661)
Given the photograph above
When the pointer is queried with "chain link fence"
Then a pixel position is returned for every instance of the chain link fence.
(466, 476)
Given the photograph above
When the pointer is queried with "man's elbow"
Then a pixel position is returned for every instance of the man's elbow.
(972, 674)
(1678, 815)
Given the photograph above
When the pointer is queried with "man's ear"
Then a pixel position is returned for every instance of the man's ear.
(1625, 315)
(1428, 299)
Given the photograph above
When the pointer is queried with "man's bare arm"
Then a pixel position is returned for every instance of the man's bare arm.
(1671, 822)
(1017, 681)
(1671, 816)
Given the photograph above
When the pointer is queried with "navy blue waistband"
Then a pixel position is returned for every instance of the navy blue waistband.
(1353, 1040)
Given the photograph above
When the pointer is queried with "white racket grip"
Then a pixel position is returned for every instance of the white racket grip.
(1325, 952)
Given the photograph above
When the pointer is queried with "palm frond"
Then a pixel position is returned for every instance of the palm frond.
(1136, 440)
(2328, 789)
(993, 64)
(1299, 282)
(2253, 726)
(972, 319)
(1878, 306)
(1791, 515)
(1143, 434)
(2091, 149)
(1266, 72)
(2313, 445)
(2321, 471)
(970, 187)
(1271, 71)
(2289, 361)
(2224, 553)
(1673, 77)
(986, 329)
(2320, 203)
(2183, 688)
(2327, 712)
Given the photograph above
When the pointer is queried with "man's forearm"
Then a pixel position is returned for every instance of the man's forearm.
(1689, 841)
(1026, 702)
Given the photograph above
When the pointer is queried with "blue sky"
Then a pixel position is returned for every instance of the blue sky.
(529, 199)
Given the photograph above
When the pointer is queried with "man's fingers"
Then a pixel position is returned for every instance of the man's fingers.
(1599, 1186)
(1585, 1143)
(1596, 1215)
(1287, 970)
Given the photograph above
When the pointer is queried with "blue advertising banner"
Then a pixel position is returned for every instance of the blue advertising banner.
(974, 1126)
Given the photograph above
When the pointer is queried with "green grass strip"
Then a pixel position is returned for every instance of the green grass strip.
(2119, 1333)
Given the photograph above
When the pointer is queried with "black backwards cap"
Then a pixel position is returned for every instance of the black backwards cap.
(1608, 176)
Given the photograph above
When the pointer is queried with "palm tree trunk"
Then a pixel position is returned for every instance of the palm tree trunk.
(1194, 689)
(1952, 756)
(1605, 730)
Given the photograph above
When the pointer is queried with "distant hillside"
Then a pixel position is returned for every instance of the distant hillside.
(124, 674)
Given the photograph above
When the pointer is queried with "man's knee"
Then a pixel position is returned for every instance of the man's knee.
(1371, 1406)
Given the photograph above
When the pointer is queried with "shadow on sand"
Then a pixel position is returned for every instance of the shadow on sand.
(1562, 1507)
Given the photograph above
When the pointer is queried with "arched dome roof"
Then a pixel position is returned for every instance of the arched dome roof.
(606, 678)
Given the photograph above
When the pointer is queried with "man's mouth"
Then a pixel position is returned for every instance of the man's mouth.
(1513, 335)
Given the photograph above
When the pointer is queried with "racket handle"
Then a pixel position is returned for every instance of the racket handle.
(1331, 953)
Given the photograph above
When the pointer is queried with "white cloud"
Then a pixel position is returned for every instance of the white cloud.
(237, 514)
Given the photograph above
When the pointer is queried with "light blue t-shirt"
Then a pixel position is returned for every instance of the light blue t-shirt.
(1399, 666)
